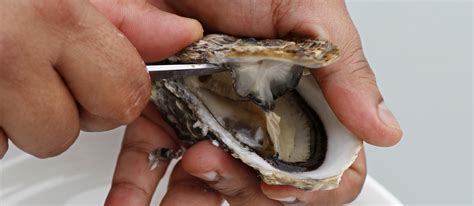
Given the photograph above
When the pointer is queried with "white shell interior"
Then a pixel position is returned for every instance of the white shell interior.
(342, 149)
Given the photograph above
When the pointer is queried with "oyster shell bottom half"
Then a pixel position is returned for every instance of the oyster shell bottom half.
(262, 109)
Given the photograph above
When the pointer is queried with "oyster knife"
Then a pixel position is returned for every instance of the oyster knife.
(173, 71)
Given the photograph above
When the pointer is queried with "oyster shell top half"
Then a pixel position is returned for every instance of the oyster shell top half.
(259, 109)
(262, 69)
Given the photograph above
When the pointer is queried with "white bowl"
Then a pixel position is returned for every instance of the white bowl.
(82, 176)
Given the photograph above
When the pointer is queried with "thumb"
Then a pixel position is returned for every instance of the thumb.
(156, 34)
(349, 85)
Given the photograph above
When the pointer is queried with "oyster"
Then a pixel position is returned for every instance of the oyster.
(262, 109)
(263, 69)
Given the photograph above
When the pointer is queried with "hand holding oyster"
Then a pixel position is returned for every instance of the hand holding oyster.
(263, 110)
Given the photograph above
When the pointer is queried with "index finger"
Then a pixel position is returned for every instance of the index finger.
(134, 182)
(225, 174)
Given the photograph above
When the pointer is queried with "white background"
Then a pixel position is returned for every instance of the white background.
(421, 52)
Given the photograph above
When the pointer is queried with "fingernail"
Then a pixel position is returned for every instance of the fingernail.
(209, 176)
(387, 116)
(286, 200)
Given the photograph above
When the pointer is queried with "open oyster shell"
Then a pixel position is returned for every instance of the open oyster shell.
(281, 125)
(265, 69)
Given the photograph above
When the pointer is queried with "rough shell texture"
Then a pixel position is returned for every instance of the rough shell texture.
(194, 122)
(220, 48)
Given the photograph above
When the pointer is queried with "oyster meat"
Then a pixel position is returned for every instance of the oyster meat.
(263, 69)
(263, 110)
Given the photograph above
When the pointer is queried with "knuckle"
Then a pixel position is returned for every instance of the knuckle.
(129, 187)
(360, 71)
(47, 154)
(55, 137)
(139, 147)
(356, 64)
(281, 13)
(58, 148)
(55, 147)
(241, 195)
(352, 50)
(134, 100)
(124, 106)
(238, 192)
(92, 123)
(60, 12)
(131, 104)
(352, 66)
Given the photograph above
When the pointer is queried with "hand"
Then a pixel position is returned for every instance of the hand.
(205, 173)
(64, 66)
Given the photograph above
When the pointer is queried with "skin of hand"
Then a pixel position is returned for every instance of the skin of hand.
(66, 65)
(206, 174)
